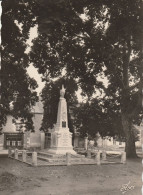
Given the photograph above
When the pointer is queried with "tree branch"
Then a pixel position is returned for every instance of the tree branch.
(134, 86)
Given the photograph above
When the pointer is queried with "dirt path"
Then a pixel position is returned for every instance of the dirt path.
(20, 179)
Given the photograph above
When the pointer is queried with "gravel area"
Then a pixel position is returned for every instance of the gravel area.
(17, 178)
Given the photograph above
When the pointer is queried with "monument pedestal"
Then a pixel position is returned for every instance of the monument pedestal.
(61, 142)
(61, 137)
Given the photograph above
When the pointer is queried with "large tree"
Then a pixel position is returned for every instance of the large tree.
(17, 87)
(123, 62)
(105, 40)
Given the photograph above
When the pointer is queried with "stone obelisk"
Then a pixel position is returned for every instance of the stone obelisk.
(61, 137)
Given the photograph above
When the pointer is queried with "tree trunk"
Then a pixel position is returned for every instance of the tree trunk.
(130, 147)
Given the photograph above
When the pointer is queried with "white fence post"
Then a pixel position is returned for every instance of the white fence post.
(123, 157)
(24, 155)
(68, 158)
(9, 152)
(16, 154)
(88, 153)
(98, 158)
(103, 155)
(34, 158)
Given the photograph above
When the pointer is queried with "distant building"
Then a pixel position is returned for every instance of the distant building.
(109, 141)
(14, 134)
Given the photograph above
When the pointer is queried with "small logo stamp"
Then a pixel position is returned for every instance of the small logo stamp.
(126, 187)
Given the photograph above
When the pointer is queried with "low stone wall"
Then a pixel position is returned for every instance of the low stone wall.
(96, 157)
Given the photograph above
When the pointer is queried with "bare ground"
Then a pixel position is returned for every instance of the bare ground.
(17, 178)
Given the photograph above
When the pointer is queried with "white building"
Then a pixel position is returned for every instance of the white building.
(109, 141)
(13, 137)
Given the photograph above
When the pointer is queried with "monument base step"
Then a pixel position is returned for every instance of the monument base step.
(55, 158)
(51, 160)
(61, 151)
(63, 159)
(49, 155)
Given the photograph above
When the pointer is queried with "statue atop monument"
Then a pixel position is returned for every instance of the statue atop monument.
(62, 92)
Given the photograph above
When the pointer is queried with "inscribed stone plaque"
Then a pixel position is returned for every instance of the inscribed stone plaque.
(65, 139)
(64, 124)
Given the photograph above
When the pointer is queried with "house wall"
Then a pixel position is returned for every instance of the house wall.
(9, 127)
(35, 139)
(106, 142)
(37, 120)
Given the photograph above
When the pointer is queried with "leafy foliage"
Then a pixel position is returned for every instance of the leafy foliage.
(87, 39)
(16, 85)
(107, 39)
(97, 116)
(50, 98)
